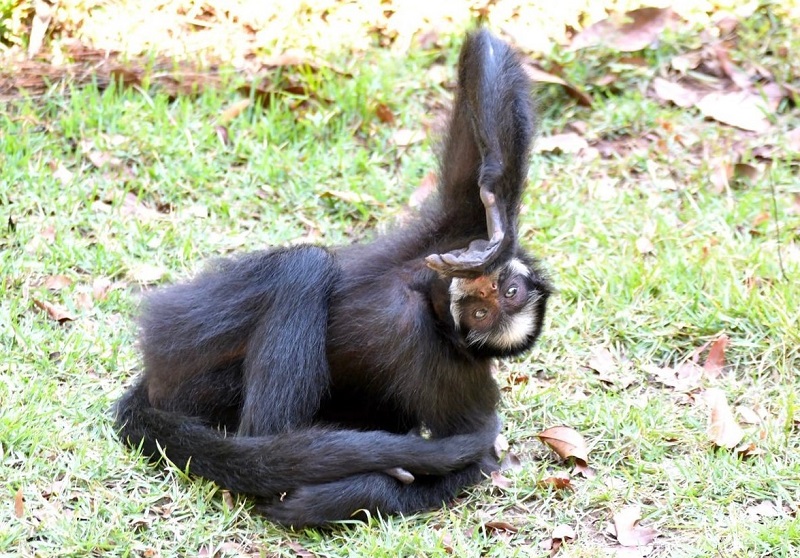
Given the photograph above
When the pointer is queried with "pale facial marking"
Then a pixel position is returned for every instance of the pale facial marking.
(456, 292)
(519, 268)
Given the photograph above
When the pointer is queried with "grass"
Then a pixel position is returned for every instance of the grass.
(97, 185)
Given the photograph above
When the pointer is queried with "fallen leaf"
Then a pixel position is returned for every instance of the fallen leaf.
(538, 75)
(566, 442)
(55, 311)
(404, 138)
(84, 301)
(686, 378)
(496, 525)
(563, 532)
(57, 282)
(723, 429)
(510, 462)
(146, 273)
(682, 63)
(748, 415)
(602, 361)
(583, 470)
(561, 143)
(19, 503)
(715, 361)
(559, 481)
(384, 114)
(627, 528)
(227, 500)
(500, 481)
(740, 109)
(748, 449)
(628, 32)
(350, 197)
(676, 93)
(233, 111)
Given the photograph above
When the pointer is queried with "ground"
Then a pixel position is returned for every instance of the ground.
(140, 139)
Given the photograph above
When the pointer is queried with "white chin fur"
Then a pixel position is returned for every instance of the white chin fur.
(456, 292)
(511, 334)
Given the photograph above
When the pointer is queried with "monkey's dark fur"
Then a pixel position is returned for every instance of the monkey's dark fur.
(301, 375)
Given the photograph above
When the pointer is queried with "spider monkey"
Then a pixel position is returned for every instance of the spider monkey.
(302, 376)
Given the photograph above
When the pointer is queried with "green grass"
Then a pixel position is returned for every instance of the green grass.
(191, 197)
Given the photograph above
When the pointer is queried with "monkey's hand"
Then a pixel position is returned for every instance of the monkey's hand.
(400, 474)
(466, 262)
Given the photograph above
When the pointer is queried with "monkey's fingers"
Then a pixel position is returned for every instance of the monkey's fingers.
(467, 262)
(400, 474)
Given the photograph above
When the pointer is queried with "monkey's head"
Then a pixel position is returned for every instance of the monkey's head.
(500, 314)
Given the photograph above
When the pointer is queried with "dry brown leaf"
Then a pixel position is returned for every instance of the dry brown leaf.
(227, 500)
(686, 378)
(133, 206)
(500, 481)
(146, 273)
(561, 143)
(627, 528)
(101, 286)
(723, 429)
(350, 197)
(559, 481)
(55, 311)
(602, 361)
(740, 109)
(404, 138)
(748, 449)
(57, 282)
(19, 504)
(510, 462)
(384, 114)
(715, 361)
(84, 301)
(233, 111)
(563, 532)
(748, 415)
(496, 525)
(538, 75)
(676, 93)
(628, 32)
(566, 442)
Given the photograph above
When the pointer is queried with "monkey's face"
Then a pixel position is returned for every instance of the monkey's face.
(500, 314)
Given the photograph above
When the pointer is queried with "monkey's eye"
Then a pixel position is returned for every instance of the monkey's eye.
(480, 313)
(511, 292)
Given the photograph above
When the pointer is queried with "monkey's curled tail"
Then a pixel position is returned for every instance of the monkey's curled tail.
(268, 465)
